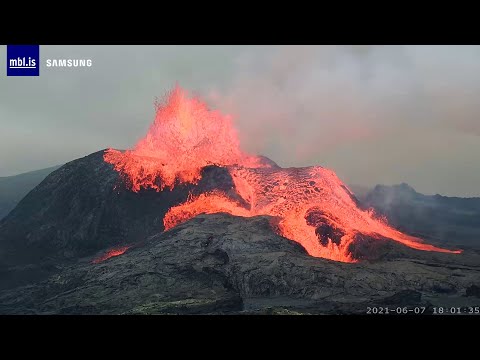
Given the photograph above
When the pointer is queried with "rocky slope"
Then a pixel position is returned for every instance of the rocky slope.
(225, 264)
(83, 207)
(211, 264)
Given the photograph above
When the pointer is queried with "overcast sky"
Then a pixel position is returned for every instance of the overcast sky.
(374, 114)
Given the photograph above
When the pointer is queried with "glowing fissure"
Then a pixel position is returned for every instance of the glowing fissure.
(111, 253)
(312, 205)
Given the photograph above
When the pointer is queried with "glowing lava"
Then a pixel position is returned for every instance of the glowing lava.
(184, 137)
(312, 205)
(111, 253)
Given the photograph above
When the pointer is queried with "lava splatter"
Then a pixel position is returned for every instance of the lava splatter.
(184, 137)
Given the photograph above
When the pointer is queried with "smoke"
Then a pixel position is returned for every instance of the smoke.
(375, 114)
(298, 104)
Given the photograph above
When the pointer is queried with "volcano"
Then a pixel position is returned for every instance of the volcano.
(310, 205)
(190, 162)
(188, 222)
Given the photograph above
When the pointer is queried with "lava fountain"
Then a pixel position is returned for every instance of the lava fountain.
(311, 205)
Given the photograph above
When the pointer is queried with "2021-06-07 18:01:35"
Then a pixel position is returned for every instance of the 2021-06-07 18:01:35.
(418, 310)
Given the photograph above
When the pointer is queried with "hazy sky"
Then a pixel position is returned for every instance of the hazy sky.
(374, 114)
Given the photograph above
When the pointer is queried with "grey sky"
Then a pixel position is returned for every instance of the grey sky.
(374, 114)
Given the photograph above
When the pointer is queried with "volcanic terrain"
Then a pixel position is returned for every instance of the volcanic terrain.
(187, 222)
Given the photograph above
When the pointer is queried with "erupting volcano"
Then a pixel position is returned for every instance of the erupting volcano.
(309, 205)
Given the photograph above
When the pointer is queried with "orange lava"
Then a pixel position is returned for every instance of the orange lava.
(111, 253)
(184, 137)
(290, 194)
(312, 205)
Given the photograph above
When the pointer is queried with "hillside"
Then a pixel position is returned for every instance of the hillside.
(14, 188)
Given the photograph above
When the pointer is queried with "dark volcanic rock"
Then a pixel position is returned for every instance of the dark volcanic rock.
(324, 228)
(225, 264)
(404, 298)
(473, 290)
(84, 207)
(265, 160)
(364, 248)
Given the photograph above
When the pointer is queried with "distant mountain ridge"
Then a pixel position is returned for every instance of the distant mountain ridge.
(14, 188)
(449, 220)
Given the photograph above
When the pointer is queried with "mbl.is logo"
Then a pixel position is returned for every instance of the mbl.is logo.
(23, 60)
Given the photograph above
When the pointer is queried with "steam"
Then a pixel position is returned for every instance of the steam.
(297, 104)
(375, 114)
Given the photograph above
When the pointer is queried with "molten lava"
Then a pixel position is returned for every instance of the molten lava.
(312, 205)
(184, 137)
(111, 253)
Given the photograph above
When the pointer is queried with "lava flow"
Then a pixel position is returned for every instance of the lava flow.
(111, 253)
(312, 205)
